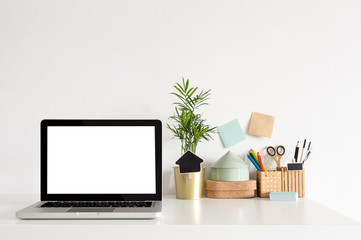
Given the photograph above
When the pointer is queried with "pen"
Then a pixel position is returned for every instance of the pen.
(307, 155)
(304, 145)
(296, 151)
(307, 152)
(254, 163)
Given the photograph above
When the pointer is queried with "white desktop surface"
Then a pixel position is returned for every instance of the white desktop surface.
(204, 218)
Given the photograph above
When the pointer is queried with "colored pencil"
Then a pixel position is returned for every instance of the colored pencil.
(263, 168)
(254, 163)
(254, 155)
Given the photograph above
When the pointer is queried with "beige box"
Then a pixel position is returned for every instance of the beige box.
(234, 189)
(268, 181)
(292, 181)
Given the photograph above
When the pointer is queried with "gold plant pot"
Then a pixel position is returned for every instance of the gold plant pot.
(189, 185)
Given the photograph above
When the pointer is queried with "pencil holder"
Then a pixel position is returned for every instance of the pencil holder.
(268, 181)
(293, 181)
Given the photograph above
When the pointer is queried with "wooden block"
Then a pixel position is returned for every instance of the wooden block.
(296, 182)
(303, 183)
(230, 194)
(300, 193)
(282, 179)
(285, 181)
(231, 186)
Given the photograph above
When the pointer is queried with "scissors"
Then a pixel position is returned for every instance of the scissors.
(276, 153)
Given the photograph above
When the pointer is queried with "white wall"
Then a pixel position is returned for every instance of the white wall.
(297, 60)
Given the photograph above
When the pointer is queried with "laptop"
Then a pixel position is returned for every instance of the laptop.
(99, 169)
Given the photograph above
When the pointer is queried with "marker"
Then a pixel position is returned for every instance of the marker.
(296, 152)
(304, 145)
(263, 168)
(254, 163)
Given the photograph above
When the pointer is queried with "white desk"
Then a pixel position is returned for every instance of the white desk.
(184, 219)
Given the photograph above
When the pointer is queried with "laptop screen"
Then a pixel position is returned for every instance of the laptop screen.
(100, 157)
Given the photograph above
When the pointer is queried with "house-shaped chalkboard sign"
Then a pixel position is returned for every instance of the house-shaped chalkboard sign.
(189, 162)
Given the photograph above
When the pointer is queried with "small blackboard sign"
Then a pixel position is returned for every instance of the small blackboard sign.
(189, 162)
(294, 166)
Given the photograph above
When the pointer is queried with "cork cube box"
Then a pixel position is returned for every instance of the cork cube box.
(234, 189)
(269, 181)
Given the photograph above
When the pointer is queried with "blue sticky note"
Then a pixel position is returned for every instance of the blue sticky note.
(231, 133)
(283, 196)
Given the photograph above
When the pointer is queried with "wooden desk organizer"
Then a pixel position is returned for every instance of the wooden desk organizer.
(268, 181)
(280, 181)
(292, 181)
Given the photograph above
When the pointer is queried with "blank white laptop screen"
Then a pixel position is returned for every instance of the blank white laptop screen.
(101, 160)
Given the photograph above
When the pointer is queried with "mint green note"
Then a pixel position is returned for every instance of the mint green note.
(231, 133)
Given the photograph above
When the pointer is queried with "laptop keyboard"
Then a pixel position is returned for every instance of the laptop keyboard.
(68, 204)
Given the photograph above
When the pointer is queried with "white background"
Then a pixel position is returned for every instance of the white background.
(101, 160)
(297, 60)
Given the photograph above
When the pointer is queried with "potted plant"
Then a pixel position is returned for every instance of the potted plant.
(190, 128)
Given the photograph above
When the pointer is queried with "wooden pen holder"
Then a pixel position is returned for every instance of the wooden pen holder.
(292, 181)
(268, 181)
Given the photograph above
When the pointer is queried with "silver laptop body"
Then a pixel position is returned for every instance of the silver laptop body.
(99, 169)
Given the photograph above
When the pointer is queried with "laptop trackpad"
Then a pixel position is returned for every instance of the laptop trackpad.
(83, 209)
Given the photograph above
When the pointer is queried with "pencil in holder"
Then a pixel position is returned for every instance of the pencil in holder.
(293, 181)
(268, 181)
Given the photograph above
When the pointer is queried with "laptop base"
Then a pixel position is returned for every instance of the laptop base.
(35, 212)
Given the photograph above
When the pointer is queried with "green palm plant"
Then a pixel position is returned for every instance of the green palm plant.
(189, 126)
